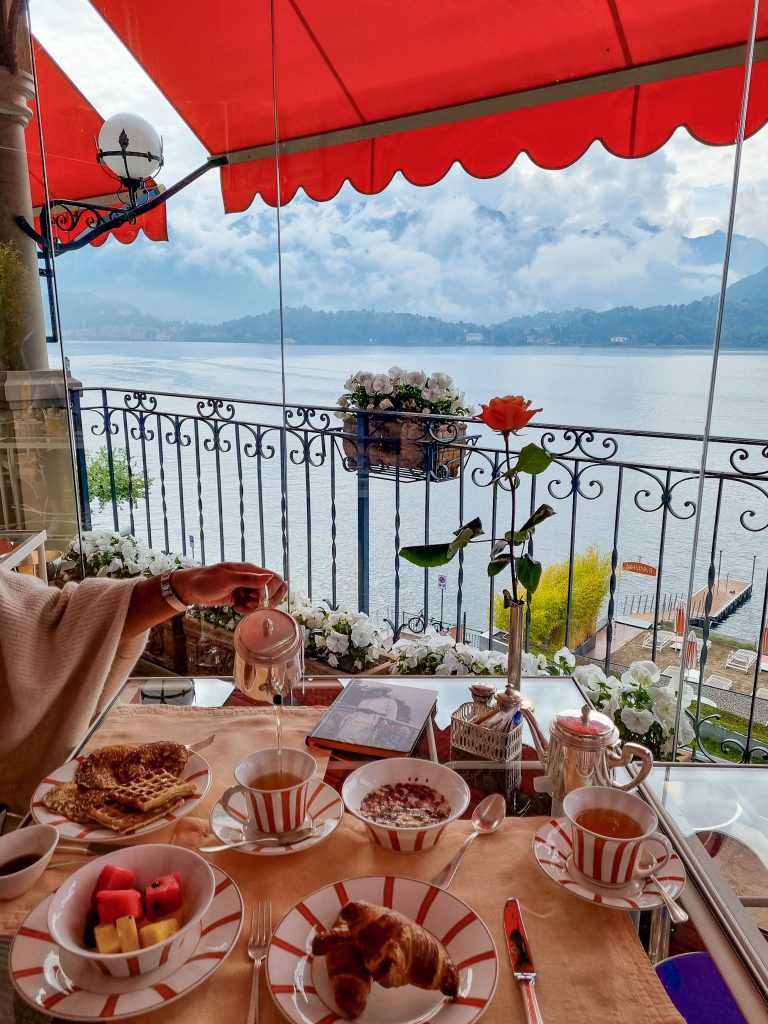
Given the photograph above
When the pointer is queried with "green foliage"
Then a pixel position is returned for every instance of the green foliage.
(430, 556)
(15, 292)
(591, 577)
(129, 486)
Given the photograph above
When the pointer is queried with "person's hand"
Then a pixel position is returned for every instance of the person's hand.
(241, 584)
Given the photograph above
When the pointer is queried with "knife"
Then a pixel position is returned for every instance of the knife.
(522, 962)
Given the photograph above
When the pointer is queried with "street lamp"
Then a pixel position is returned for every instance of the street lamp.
(131, 149)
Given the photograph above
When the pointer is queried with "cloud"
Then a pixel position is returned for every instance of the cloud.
(603, 232)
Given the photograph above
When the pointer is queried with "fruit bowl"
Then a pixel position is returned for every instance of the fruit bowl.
(70, 905)
(391, 771)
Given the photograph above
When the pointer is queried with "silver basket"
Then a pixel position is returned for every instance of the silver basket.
(484, 744)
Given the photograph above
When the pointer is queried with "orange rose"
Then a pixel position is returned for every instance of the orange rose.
(508, 414)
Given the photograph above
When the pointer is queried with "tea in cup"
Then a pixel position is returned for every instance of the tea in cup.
(275, 788)
(613, 832)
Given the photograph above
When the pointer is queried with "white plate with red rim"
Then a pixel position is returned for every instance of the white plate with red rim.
(196, 770)
(553, 849)
(298, 981)
(324, 805)
(43, 976)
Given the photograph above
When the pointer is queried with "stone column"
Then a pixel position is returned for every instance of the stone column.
(36, 481)
(22, 333)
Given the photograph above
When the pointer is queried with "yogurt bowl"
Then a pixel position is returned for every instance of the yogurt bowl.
(408, 771)
(70, 905)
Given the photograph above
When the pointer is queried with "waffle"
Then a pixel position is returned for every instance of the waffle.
(153, 789)
(74, 802)
(125, 820)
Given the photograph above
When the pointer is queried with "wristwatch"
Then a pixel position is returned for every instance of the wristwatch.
(168, 593)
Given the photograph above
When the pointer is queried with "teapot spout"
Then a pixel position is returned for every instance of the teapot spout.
(539, 739)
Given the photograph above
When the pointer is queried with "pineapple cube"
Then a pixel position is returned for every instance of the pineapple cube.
(127, 934)
(157, 932)
(107, 940)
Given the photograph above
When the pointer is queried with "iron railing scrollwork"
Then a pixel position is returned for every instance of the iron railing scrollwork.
(215, 469)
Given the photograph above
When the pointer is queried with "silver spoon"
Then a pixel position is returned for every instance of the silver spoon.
(676, 913)
(486, 818)
(285, 839)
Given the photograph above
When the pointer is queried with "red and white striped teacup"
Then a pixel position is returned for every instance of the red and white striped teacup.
(275, 791)
(612, 835)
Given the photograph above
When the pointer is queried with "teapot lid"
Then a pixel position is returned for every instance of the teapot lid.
(588, 728)
(268, 636)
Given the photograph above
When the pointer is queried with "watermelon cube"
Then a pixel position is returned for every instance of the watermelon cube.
(113, 877)
(163, 896)
(114, 903)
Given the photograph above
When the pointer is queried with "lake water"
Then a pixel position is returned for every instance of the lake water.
(618, 388)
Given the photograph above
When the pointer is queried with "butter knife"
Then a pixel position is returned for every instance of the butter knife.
(521, 960)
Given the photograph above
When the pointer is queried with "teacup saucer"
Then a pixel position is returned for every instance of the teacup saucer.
(324, 805)
(552, 847)
(632, 889)
(40, 969)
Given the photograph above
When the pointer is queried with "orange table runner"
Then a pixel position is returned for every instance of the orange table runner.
(591, 964)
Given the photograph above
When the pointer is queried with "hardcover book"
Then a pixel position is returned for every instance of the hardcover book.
(376, 718)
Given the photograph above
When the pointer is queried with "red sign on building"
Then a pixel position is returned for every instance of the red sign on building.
(640, 567)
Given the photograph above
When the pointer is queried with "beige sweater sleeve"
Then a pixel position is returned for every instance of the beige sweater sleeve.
(61, 660)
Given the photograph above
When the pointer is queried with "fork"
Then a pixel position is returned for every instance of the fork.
(202, 744)
(258, 942)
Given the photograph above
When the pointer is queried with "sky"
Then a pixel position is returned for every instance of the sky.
(602, 233)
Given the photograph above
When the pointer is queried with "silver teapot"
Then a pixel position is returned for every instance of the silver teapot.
(583, 750)
(269, 653)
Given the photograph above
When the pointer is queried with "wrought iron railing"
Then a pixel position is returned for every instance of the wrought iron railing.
(336, 499)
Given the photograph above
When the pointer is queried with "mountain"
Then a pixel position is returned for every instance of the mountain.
(745, 324)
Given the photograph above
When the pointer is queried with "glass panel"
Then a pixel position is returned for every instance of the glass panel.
(37, 493)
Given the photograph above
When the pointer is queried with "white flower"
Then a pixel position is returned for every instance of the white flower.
(382, 385)
(319, 641)
(337, 643)
(589, 678)
(343, 402)
(385, 404)
(362, 634)
(432, 394)
(397, 374)
(416, 378)
(565, 655)
(637, 720)
(644, 673)
(333, 661)
(365, 381)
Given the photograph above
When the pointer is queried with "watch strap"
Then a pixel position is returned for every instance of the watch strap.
(169, 594)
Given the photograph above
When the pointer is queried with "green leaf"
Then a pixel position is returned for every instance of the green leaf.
(497, 564)
(542, 512)
(499, 547)
(528, 572)
(428, 556)
(533, 460)
(475, 526)
(521, 536)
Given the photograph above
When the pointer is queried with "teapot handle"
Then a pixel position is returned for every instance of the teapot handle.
(629, 751)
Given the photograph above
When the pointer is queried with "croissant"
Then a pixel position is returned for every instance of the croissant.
(394, 950)
(349, 977)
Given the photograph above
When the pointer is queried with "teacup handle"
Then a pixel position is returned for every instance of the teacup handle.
(230, 794)
(656, 865)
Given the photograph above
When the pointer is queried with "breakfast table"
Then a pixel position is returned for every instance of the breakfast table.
(590, 961)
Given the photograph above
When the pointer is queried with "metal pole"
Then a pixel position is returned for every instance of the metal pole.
(719, 564)
(363, 514)
(442, 599)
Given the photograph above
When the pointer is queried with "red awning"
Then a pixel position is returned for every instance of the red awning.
(369, 89)
(70, 128)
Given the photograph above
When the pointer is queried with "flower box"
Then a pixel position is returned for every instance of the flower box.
(420, 448)
(167, 645)
(315, 667)
(210, 649)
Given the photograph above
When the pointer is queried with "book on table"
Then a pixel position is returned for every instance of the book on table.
(373, 717)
